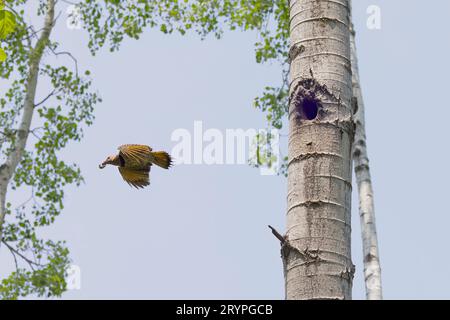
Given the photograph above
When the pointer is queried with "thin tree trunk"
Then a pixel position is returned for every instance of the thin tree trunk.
(372, 269)
(317, 251)
(14, 157)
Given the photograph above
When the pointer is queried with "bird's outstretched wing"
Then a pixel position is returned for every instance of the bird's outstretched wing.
(135, 155)
(136, 178)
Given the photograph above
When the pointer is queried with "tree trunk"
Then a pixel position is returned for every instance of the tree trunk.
(372, 269)
(317, 252)
(14, 157)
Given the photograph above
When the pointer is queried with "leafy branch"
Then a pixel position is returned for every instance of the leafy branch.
(7, 26)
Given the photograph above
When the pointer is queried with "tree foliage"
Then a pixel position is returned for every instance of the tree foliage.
(40, 263)
(7, 26)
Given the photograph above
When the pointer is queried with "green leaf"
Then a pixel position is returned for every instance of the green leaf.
(2, 55)
(7, 23)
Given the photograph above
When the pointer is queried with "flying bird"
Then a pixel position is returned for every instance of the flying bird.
(134, 162)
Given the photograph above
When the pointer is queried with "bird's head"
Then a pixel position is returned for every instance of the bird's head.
(109, 160)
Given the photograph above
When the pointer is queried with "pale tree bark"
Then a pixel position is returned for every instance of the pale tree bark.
(14, 157)
(316, 251)
(372, 269)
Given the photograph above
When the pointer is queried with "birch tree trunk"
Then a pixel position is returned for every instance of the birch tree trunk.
(7, 169)
(316, 251)
(372, 269)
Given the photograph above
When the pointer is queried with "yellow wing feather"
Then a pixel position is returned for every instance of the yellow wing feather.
(136, 178)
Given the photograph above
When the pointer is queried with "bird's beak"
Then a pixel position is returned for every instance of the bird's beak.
(102, 165)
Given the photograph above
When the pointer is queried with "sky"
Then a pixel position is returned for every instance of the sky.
(200, 231)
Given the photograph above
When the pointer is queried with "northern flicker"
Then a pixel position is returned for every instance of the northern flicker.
(134, 162)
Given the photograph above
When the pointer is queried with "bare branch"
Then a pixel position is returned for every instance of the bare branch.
(46, 98)
(277, 234)
(69, 2)
(68, 54)
(15, 251)
(15, 258)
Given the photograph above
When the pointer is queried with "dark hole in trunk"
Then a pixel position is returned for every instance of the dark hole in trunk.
(309, 108)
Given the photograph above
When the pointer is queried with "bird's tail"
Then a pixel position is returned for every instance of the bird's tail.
(162, 159)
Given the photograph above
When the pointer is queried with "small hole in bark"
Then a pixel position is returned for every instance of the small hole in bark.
(309, 108)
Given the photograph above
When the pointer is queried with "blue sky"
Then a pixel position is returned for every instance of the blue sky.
(200, 231)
